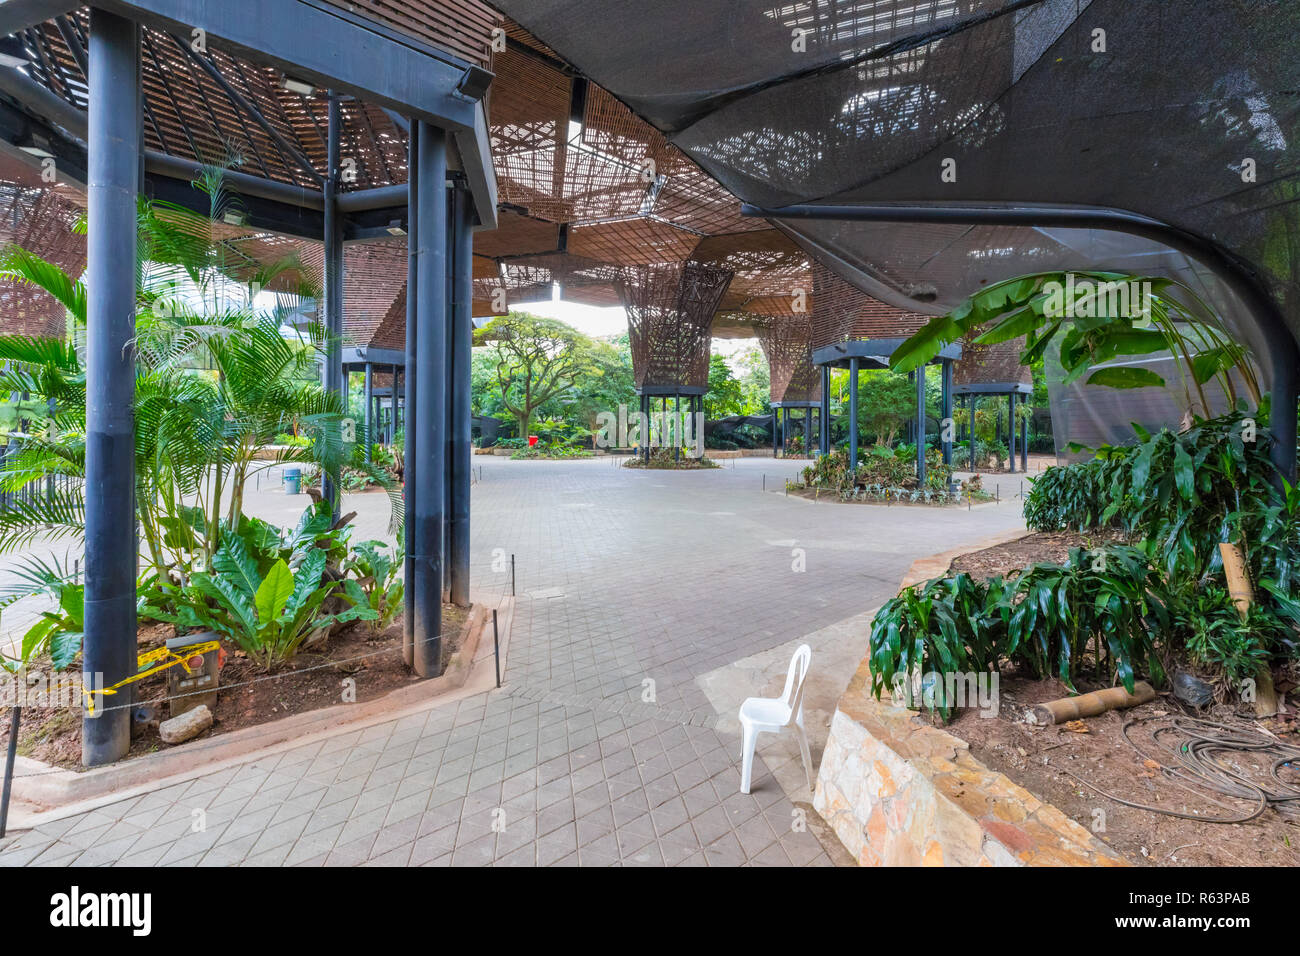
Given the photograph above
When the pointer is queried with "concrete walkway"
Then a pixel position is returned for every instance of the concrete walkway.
(649, 603)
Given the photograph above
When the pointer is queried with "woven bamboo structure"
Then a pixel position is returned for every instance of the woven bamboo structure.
(787, 343)
(670, 310)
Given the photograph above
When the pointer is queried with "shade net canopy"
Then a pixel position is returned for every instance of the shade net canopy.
(1182, 112)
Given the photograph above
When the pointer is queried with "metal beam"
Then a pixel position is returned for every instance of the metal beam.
(322, 47)
(109, 649)
(241, 104)
(429, 394)
(1239, 276)
(920, 426)
(333, 288)
(15, 15)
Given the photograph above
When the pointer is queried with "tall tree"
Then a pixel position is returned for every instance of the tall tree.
(536, 359)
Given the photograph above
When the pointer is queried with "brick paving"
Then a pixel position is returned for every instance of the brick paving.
(601, 747)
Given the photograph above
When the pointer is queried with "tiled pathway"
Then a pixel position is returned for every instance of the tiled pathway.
(600, 749)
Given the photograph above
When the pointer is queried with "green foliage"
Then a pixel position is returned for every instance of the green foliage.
(378, 573)
(726, 394)
(1091, 322)
(1218, 638)
(268, 610)
(1042, 618)
(534, 360)
(58, 633)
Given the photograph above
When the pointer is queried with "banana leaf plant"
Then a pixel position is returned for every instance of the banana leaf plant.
(269, 616)
(1092, 318)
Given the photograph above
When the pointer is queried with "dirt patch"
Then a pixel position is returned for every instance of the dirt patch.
(248, 696)
(1016, 555)
(1062, 764)
(1056, 764)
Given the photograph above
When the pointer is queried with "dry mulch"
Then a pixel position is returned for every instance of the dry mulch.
(248, 696)
(1043, 759)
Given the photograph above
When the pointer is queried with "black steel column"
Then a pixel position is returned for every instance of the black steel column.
(677, 428)
(428, 408)
(825, 436)
(1024, 439)
(947, 426)
(458, 446)
(370, 408)
(109, 648)
(1011, 435)
(970, 404)
(410, 463)
(920, 425)
(333, 289)
(853, 414)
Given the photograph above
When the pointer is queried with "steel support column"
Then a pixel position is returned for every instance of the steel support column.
(946, 427)
(1011, 435)
(920, 426)
(970, 430)
(370, 408)
(410, 462)
(458, 448)
(428, 410)
(1024, 438)
(824, 439)
(853, 414)
(333, 378)
(109, 648)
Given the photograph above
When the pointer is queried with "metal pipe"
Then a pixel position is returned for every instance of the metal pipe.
(380, 197)
(430, 395)
(1236, 274)
(109, 647)
(462, 355)
(410, 464)
(333, 290)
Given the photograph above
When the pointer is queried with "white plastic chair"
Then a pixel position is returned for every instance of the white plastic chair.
(760, 715)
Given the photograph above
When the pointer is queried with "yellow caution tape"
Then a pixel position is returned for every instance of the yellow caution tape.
(169, 659)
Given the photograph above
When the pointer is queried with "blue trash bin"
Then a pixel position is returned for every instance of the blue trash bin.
(293, 481)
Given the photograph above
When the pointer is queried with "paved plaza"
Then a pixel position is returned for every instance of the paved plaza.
(604, 746)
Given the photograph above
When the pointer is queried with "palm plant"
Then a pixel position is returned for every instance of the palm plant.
(216, 379)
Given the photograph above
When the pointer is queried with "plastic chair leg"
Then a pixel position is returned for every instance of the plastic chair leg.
(748, 742)
(807, 756)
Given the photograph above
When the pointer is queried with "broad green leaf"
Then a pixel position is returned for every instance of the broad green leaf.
(1130, 376)
(273, 592)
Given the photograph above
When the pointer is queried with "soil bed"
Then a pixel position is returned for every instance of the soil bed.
(248, 696)
(1057, 763)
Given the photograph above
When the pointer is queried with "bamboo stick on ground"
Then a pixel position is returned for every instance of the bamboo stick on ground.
(1090, 705)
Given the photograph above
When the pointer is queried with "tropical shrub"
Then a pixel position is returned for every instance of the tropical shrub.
(268, 615)
(1042, 618)
(379, 575)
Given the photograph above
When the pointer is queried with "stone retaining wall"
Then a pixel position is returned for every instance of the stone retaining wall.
(899, 792)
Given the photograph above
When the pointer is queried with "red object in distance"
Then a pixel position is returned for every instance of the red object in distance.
(532, 440)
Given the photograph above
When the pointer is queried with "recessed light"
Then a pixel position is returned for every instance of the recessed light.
(301, 87)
